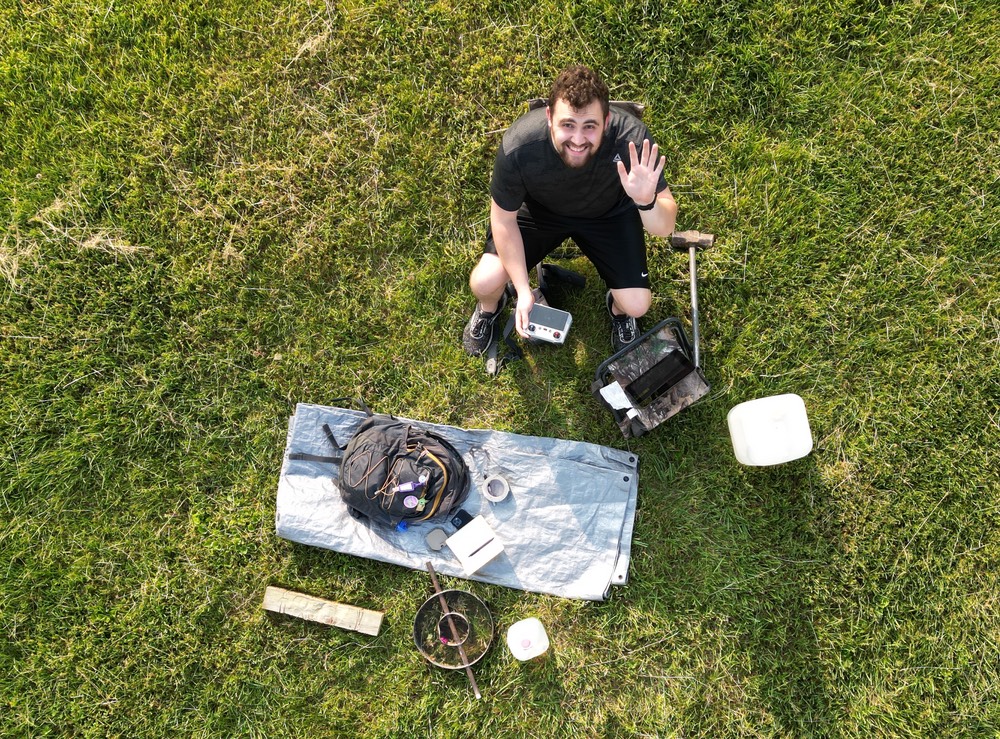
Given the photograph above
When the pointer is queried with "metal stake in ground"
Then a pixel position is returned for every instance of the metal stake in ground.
(454, 631)
(692, 241)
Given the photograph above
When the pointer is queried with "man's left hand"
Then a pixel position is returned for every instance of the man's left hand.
(643, 173)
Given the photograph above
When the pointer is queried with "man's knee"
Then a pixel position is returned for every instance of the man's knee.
(488, 278)
(633, 301)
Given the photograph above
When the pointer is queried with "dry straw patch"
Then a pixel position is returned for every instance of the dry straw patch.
(14, 250)
(64, 218)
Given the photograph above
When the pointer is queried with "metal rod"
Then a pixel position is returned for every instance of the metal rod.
(694, 305)
(454, 632)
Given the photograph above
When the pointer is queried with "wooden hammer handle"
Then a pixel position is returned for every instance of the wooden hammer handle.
(454, 632)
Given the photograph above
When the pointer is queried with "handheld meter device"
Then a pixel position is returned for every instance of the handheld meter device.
(548, 324)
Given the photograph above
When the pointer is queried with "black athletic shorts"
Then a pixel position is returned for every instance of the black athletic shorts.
(616, 245)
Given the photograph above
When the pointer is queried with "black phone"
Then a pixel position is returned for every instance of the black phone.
(460, 518)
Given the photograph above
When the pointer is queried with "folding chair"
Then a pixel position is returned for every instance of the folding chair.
(659, 374)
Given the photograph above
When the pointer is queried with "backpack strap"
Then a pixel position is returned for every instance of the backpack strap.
(302, 456)
(333, 439)
(494, 362)
(356, 403)
(514, 351)
(305, 457)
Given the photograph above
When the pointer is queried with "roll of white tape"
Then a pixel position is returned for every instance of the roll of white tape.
(495, 489)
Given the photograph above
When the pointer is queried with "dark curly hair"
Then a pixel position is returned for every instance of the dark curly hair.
(579, 86)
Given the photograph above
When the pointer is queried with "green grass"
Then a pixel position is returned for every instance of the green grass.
(211, 215)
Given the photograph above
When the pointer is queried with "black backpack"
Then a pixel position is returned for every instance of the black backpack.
(393, 471)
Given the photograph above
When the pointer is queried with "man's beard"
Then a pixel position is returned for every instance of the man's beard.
(581, 160)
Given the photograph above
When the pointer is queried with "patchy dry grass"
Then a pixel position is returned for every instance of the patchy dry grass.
(211, 214)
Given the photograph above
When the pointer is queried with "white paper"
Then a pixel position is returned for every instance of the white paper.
(475, 544)
(617, 399)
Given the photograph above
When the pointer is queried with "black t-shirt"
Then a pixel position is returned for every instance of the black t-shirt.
(528, 169)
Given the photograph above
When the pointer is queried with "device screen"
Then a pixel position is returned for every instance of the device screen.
(548, 316)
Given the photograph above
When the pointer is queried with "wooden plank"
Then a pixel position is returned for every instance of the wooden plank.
(300, 605)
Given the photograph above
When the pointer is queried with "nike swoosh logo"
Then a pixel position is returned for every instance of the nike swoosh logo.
(645, 274)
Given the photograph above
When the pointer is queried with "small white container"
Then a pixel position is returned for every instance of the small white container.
(527, 639)
(770, 430)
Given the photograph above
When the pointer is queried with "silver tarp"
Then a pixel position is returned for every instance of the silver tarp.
(566, 525)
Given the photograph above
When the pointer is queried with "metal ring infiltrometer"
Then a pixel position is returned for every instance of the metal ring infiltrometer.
(470, 629)
(495, 489)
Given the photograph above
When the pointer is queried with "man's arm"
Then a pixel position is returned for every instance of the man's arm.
(640, 183)
(510, 249)
(661, 219)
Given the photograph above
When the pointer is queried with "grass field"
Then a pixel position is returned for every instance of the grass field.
(211, 214)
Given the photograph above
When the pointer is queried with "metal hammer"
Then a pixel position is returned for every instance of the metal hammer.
(692, 241)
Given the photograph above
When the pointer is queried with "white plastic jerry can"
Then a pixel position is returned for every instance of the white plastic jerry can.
(771, 430)
(527, 639)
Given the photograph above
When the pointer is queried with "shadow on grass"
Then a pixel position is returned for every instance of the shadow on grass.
(778, 609)
(748, 559)
(743, 548)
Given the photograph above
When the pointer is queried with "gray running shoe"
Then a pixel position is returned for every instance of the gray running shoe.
(481, 330)
(624, 328)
